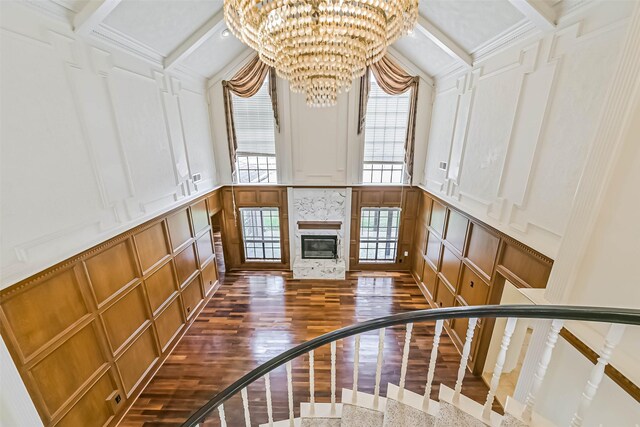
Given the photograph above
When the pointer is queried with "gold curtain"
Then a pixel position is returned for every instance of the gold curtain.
(393, 80)
(246, 83)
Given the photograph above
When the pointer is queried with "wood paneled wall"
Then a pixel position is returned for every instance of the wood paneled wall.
(88, 333)
(259, 196)
(406, 198)
(458, 260)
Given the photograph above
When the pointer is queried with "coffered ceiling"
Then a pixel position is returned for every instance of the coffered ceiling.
(187, 34)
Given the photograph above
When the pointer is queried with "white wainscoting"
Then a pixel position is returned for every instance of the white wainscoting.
(93, 142)
(515, 129)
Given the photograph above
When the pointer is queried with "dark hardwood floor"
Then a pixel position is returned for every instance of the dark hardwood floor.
(256, 315)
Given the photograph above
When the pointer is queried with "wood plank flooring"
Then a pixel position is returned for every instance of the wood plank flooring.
(254, 316)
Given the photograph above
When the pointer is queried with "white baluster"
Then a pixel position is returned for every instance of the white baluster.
(267, 385)
(312, 385)
(245, 404)
(223, 420)
(290, 392)
(466, 350)
(497, 370)
(597, 373)
(376, 390)
(333, 378)
(432, 365)
(356, 362)
(405, 360)
(543, 364)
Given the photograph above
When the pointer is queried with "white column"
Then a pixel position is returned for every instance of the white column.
(597, 373)
(333, 378)
(376, 390)
(312, 384)
(405, 360)
(290, 393)
(432, 365)
(543, 364)
(356, 362)
(245, 405)
(466, 350)
(267, 385)
(497, 370)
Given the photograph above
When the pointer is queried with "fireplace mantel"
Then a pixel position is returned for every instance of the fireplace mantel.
(319, 225)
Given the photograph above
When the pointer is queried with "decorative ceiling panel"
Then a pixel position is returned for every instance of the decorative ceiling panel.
(161, 24)
(424, 53)
(471, 23)
(214, 54)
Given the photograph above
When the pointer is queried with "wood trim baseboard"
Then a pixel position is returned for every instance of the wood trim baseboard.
(616, 376)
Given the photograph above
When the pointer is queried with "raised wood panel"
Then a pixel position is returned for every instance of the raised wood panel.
(269, 198)
(199, 216)
(214, 203)
(456, 230)
(105, 280)
(186, 264)
(137, 360)
(417, 264)
(205, 248)
(370, 198)
(125, 317)
(55, 381)
(248, 197)
(429, 278)
(169, 323)
(60, 350)
(532, 270)
(473, 289)
(433, 249)
(450, 267)
(209, 276)
(179, 229)
(161, 285)
(42, 312)
(93, 408)
(444, 297)
(438, 213)
(191, 296)
(483, 248)
(424, 212)
(151, 245)
(393, 198)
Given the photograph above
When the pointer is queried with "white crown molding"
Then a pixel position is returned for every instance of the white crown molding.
(409, 66)
(600, 164)
(128, 44)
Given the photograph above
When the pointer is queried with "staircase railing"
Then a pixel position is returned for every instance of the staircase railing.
(617, 317)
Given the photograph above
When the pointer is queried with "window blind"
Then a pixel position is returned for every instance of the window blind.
(385, 125)
(253, 122)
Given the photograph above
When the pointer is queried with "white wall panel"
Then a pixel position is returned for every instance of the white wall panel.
(516, 128)
(93, 142)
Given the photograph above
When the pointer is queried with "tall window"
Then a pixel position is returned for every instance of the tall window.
(261, 234)
(255, 135)
(379, 234)
(385, 133)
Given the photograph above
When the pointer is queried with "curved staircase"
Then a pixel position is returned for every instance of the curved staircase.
(404, 408)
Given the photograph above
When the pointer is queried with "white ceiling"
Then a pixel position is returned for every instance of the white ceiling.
(187, 33)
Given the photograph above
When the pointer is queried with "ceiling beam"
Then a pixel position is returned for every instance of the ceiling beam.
(443, 41)
(92, 15)
(195, 40)
(536, 11)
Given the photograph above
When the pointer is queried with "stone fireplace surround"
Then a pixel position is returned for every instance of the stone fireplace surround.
(319, 204)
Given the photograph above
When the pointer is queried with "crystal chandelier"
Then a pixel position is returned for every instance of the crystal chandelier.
(320, 46)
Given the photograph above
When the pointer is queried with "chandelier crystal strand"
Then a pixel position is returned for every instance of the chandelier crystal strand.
(320, 46)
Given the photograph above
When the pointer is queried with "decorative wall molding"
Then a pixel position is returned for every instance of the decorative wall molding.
(104, 149)
(496, 125)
